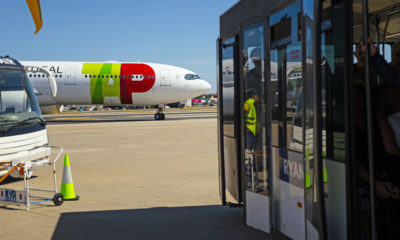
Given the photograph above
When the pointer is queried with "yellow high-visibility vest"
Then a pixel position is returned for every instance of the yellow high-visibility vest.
(250, 118)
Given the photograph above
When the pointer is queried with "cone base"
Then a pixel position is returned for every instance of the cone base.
(72, 199)
(68, 191)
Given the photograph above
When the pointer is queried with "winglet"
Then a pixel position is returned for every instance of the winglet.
(36, 12)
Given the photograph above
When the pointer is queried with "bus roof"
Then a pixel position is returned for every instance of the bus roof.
(247, 11)
(10, 62)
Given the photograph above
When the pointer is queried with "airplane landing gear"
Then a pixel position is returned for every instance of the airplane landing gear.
(159, 115)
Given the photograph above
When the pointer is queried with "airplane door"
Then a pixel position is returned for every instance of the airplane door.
(70, 78)
(165, 78)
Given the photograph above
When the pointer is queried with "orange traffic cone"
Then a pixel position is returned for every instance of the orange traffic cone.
(67, 186)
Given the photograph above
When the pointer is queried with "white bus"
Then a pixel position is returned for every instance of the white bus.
(23, 134)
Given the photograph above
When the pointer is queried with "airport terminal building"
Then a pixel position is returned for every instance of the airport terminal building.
(287, 120)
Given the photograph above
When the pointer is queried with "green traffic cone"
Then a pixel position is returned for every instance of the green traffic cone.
(67, 186)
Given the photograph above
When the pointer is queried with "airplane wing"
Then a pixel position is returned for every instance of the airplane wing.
(36, 12)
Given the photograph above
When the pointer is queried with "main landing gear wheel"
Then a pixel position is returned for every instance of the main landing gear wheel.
(58, 199)
(159, 116)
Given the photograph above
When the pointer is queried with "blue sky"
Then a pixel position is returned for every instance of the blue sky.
(176, 32)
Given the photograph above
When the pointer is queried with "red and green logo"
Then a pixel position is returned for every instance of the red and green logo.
(118, 80)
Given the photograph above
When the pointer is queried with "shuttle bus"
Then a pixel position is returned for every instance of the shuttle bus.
(309, 104)
(23, 136)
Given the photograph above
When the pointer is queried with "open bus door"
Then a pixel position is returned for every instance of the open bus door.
(341, 103)
(328, 165)
(350, 133)
(254, 128)
(376, 23)
(228, 121)
(309, 42)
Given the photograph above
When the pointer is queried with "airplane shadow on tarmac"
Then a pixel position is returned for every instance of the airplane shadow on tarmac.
(199, 222)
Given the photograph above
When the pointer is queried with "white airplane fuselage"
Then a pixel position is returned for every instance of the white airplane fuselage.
(114, 83)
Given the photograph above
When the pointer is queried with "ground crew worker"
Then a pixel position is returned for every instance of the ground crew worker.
(250, 116)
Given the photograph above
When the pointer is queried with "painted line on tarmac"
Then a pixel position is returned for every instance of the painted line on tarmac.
(126, 118)
(76, 118)
(100, 114)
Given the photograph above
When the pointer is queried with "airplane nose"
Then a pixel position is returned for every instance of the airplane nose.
(207, 86)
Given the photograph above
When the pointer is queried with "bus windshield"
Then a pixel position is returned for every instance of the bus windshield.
(17, 100)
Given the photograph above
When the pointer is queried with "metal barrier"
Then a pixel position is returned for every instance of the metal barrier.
(23, 196)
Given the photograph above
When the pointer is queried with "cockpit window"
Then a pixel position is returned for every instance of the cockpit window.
(191, 76)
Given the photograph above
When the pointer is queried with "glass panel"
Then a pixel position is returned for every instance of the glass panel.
(255, 140)
(231, 163)
(333, 85)
(311, 191)
(228, 92)
(333, 81)
(286, 79)
(287, 134)
(17, 99)
(294, 82)
(274, 91)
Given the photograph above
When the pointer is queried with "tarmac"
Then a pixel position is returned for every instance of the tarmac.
(137, 179)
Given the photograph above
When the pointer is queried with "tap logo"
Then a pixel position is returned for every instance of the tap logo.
(118, 81)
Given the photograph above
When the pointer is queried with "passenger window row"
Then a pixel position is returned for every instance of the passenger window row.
(44, 75)
(133, 77)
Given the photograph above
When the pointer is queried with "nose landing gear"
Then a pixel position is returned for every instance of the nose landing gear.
(159, 115)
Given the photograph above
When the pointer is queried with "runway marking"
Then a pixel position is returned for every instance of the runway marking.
(78, 118)
(126, 117)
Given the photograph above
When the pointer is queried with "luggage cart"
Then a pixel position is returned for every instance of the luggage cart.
(23, 196)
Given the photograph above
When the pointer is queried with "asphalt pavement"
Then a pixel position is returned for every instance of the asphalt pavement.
(136, 180)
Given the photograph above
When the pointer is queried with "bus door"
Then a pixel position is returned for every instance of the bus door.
(255, 128)
(285, 89)
(229, 163)
(335, 74)
(327, 73)
(376, 103)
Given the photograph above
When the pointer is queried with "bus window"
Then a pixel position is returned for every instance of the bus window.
(285, 89)
(255, 139)
(333, 82)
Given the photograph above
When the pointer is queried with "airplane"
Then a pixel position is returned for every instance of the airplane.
(113, 83)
